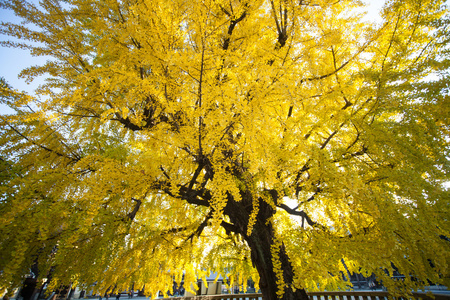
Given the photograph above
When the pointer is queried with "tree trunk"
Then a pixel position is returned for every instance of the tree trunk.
(29, 288)
(260, 242)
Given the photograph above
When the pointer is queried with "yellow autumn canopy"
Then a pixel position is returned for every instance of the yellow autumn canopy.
(286, 141)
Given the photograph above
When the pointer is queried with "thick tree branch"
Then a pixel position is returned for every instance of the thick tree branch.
(200, 228)
(233, 23)
(301, 214)
(198, 231)
(132, 214)
(227, 39)
(195, 176)
(328, 139)
(229, 227)
(190, 196)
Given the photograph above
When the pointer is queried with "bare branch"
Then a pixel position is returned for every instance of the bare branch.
(301, 214)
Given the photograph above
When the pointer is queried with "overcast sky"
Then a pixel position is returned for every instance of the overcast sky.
(12, 61)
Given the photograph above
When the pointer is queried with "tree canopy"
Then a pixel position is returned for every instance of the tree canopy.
(287, 141)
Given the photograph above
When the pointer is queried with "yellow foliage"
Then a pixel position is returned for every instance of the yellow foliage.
(175, 139)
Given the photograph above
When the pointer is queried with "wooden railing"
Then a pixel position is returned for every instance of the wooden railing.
(375, 295)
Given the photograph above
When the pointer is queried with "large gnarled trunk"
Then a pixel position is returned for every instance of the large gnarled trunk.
(260, 242)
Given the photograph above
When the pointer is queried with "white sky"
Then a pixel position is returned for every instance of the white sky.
(12, 60)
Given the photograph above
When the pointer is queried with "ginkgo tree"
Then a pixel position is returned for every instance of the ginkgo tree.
(288, 141)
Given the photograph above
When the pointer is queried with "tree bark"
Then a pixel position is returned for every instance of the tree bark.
(260, 242)
(29, 288)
